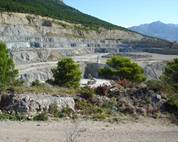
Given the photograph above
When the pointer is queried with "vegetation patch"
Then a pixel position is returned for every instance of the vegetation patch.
(41, 117)
(44, 89)
(120, 68)
(170, 74)
(12, 117)
(172, 105)
(67, 74)
(160, 86)
(8, 73)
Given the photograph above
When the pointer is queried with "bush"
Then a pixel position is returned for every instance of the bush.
(53, 109)
(155, 85)
(8, 73)
(172, 105)
(66, 112)
(100, 117)
(41, 117)
(87, 93)
(120, 68)
(36, 83)
(160, 86)
(67, 73)
(12, 117)
(170, 74)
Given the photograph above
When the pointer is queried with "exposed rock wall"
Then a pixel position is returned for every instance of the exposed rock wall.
(36, 43)
(25, 31)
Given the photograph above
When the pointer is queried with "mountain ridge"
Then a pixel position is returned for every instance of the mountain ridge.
(158, 29)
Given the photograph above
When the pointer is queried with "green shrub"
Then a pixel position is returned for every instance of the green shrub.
(87, 93)
(8, 73)
(120, 68)
(36, 83)
(172, 105)
(66, 112)
(170, 74)
(53, 109)
(67, 73)
(41, 117)
(160, 86)
(44, 89)
(111, 104)
(100, 116)
(91, 110)
(86, 108)
(18, 82)
(155, 85)
(12, 117)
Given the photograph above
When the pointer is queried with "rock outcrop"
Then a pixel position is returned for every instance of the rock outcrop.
(34, 103)
(138, 100)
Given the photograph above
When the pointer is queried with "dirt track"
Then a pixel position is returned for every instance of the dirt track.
(88, 131)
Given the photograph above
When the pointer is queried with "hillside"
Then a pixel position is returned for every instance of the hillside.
(54, 9)
(158, 29)
(39, 32)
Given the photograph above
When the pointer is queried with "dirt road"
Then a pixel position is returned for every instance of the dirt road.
(88, 131)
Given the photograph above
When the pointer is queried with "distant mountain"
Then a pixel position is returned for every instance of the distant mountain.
(158, 29)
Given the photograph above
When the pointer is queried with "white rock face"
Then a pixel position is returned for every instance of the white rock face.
(35, 103)
(31, 31)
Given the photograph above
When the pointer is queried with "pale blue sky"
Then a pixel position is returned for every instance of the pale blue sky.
(129, 12)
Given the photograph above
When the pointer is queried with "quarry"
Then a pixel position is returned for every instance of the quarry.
(36, 44)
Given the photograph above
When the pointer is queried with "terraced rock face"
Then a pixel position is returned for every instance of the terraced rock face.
(36, 43)
(30, 31)
(34, 39)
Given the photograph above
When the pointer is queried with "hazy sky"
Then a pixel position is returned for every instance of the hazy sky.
(129, 12)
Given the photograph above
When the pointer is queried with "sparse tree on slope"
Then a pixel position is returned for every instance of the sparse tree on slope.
(119, 68)
(67, 73)
(8, 73)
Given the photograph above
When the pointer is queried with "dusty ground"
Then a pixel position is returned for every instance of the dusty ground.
(88, 131)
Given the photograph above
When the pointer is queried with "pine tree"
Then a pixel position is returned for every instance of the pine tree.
(8, 73)
(67, 73)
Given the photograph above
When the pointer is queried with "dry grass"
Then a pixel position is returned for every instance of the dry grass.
(42, 89)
